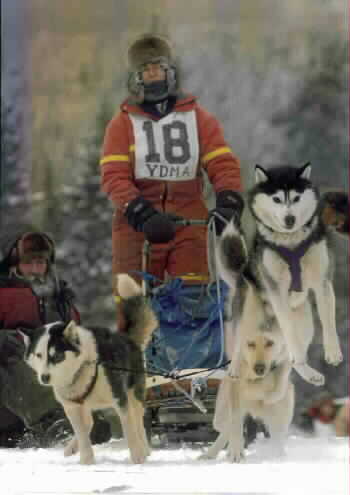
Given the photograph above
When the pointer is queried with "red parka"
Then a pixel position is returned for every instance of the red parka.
(20, 306)
(183, 197)
(163, 159)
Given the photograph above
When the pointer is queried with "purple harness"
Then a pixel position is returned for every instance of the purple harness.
(292, 257)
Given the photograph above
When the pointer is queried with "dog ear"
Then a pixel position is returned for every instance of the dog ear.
(305, 171)
(25, 336)
(70, 332)
(260, 174)
(28, 334)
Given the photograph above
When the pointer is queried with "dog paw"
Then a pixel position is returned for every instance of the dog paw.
(334, 356)
(235, 456)
(310, 375)
(273, 397)
(71, 448)
(87, 458)
(234, 376)
(317, 380)
(206, 457)
(146, 450)
(138, 457)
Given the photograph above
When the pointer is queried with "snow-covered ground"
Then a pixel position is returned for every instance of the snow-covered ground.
(312, 465)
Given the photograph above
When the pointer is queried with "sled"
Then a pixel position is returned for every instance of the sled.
(185, 360)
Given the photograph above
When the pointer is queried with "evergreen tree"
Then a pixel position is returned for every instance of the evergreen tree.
(13, 185)
(315, 122)
(84, 247)
(9, 156)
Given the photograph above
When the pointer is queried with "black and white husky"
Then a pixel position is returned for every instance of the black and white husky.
(291, 256)
(95, 368)
(269, 324)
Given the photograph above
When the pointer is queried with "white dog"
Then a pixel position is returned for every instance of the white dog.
(261, 386)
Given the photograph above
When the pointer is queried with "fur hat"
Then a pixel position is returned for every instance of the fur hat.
(148, 47)
(151, 48)
(33, 245)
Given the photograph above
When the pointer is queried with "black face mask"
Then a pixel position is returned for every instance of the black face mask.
(156, 91)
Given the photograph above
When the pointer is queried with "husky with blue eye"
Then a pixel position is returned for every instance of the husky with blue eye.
(95, 368)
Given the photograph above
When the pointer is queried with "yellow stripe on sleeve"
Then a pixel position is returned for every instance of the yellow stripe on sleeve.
(213, 154)
(194, 276)
(114, 158)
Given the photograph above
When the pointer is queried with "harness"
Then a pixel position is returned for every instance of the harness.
(81, 398)
(292, 257)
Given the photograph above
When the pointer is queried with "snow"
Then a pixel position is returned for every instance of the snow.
(312, 465)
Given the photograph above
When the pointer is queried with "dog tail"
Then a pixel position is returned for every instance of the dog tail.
(140, 320)
(231, 254)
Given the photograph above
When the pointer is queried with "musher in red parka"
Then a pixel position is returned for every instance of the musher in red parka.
(154, 153)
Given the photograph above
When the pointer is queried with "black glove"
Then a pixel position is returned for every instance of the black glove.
(159, 229)
(139, 210)
(228, 204)
(11, 346)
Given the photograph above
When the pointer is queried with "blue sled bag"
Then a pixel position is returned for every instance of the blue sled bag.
(190, 333)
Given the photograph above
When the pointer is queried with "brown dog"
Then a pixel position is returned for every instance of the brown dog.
(335, 211)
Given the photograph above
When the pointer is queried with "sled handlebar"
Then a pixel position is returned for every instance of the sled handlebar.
(185, 222)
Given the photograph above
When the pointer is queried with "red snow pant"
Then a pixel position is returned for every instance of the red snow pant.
(186, 255)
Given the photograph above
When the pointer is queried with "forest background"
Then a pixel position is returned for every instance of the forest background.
(274, 72)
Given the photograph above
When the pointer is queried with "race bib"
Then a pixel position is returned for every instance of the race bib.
(167, 149)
